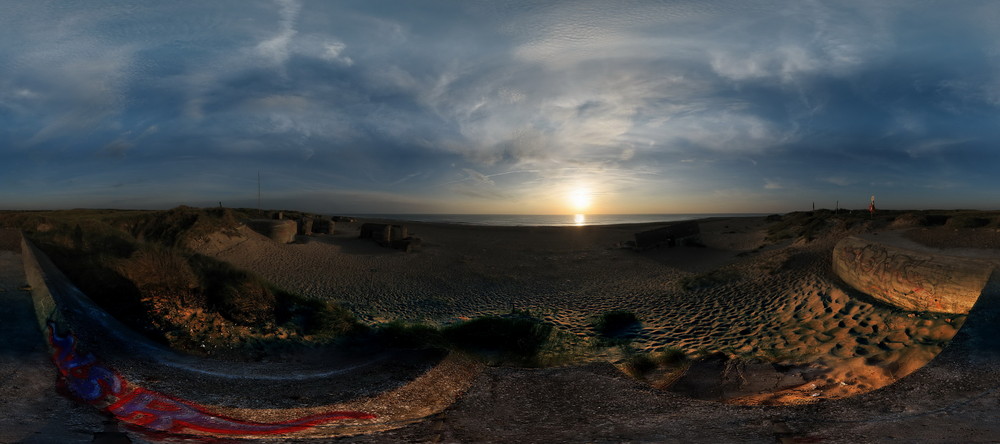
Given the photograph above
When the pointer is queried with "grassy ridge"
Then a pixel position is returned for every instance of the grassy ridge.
(135, 265)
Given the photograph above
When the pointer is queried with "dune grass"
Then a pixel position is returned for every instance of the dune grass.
(135, 264)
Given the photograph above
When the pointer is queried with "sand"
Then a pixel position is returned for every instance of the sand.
(758, 303)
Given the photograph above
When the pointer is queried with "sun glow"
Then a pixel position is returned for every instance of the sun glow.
(580, 199)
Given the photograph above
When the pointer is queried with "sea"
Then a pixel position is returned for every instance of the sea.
(548, 220)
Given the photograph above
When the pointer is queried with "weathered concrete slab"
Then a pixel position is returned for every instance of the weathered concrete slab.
(916, 279)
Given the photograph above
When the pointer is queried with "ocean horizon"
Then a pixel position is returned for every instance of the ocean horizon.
(548, 220)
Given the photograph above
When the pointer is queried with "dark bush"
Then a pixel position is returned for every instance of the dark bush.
(969, 222)
(613, 323)
(314, 316)
(639, 364)
(234, 293)
(520, 337)
(399, 334)
(671, 356)
(931, 220)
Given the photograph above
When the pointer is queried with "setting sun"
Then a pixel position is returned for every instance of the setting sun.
(580, 199)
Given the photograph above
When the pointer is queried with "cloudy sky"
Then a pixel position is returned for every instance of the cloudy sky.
(500, 107)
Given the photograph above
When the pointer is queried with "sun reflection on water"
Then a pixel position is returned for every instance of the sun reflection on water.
(579, 219)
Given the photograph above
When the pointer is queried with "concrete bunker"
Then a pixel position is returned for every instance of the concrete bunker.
(389, 235)
(910, 277)
(278, 230)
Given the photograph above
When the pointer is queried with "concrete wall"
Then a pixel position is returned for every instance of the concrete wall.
(911, 279)
(305, 226)
(278, 230)
(322, 226)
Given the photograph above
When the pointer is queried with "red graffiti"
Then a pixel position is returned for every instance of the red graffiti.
(91, 382)
(164, 413)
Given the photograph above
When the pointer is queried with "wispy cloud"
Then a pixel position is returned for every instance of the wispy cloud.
(276, 48)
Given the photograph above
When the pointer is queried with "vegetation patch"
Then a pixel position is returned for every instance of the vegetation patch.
(616, 327)
(508, 338)
(135, 265)
(655, 365)
(968, 221)
(710, 279)
(398, 334)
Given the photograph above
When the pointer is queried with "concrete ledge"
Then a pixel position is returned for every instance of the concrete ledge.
(916, 279)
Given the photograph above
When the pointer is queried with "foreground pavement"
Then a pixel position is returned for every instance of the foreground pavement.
(33, 411)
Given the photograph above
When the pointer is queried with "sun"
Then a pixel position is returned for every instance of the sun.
(580, 199)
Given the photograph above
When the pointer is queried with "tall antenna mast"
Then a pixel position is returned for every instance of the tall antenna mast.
(258, 190)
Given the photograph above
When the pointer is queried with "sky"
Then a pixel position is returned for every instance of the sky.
(498, 107)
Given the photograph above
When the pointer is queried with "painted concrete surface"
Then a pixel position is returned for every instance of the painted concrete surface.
(33, 412)
(909, 276)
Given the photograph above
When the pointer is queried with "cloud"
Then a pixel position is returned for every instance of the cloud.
(478, 177)
(276, 48)
(507, 103)
(333, 51)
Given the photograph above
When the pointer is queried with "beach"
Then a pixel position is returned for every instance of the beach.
(744, 331)
(737, 294)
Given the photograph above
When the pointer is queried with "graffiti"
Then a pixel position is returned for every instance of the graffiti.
(163, 413)
(96, 384)
(896, 273)
(83, 376)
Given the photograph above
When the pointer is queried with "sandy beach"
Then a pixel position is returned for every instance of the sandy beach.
(738, 294)
(759, 308)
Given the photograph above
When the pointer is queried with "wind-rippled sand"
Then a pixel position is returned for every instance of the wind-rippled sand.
(738, 295)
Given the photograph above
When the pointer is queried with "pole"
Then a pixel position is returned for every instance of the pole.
(258, 190)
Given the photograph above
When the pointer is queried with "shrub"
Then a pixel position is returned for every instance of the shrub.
(234, 293)
(671, 356)
(151, 264)
(615, 322)
(931, 220)
(639, 364)
(704, 280)
(518, 337)
(403, 335)
(969, 222)
(246, 299)
(314, 316)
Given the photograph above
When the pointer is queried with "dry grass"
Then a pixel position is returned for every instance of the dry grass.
(136, 266)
